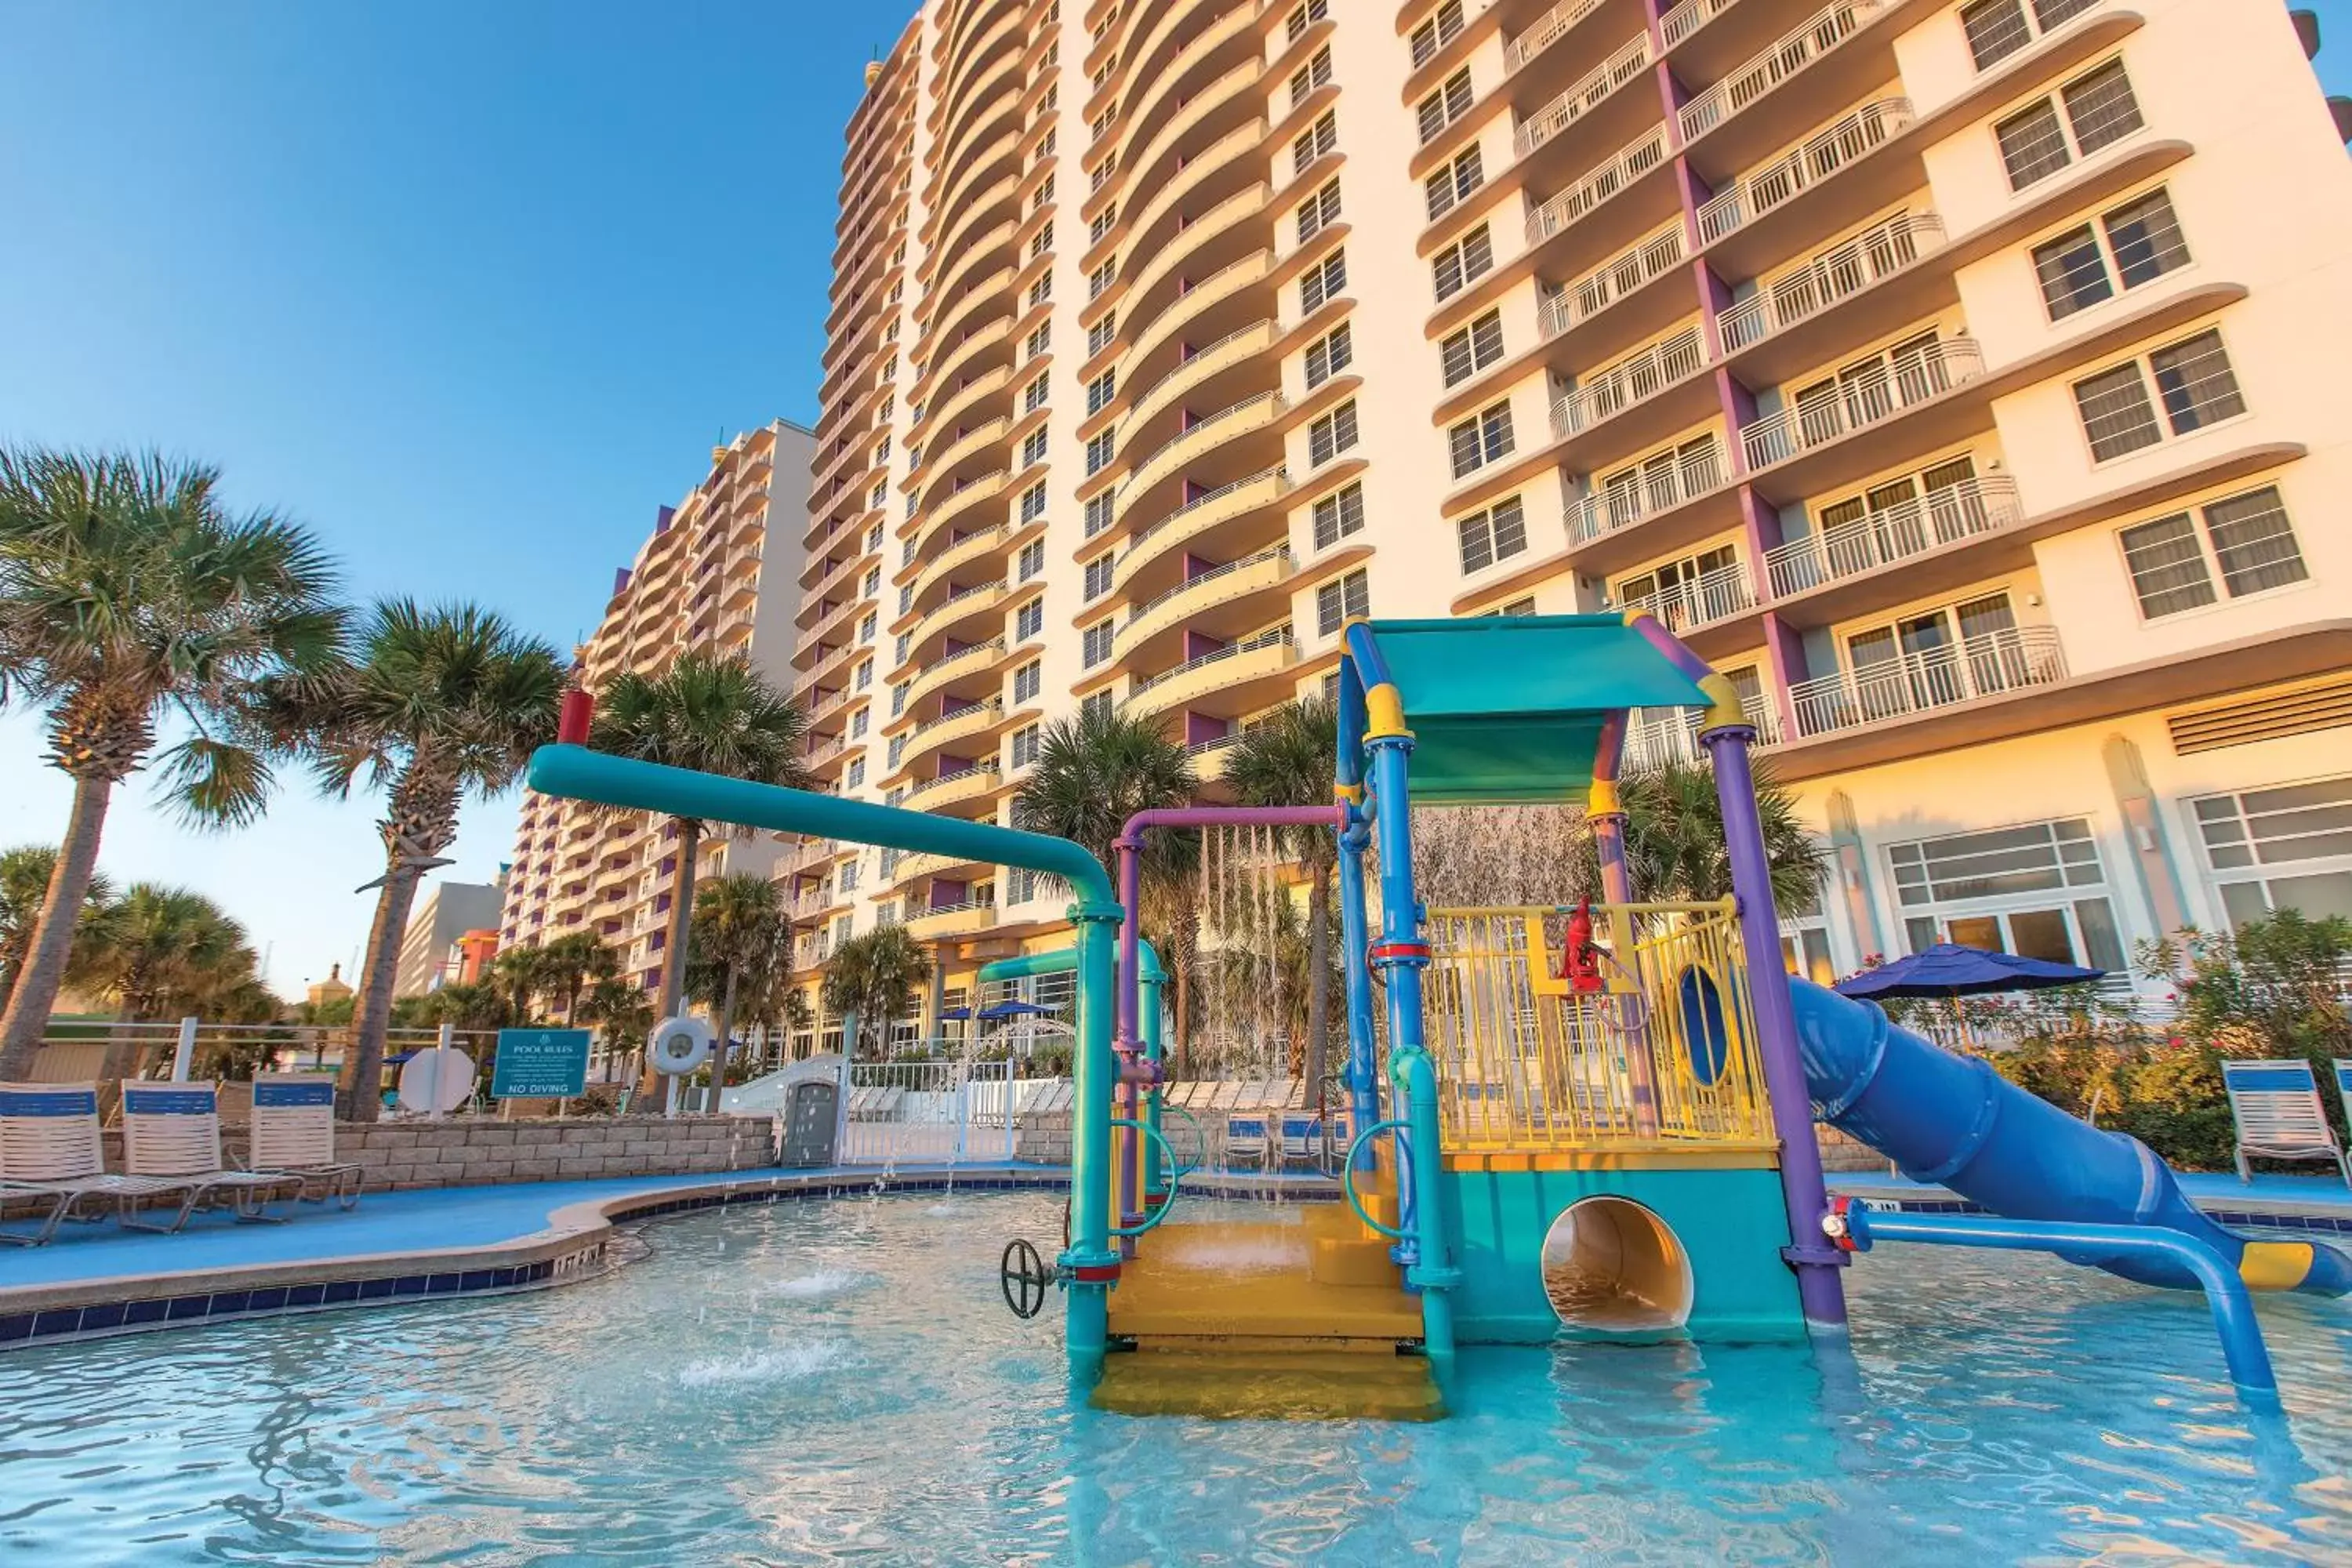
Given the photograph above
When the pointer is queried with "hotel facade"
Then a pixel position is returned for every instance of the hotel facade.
(721, 571)
(1958, 378)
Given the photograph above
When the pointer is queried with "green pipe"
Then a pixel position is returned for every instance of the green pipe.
(1090, 1263)
(1062, 961)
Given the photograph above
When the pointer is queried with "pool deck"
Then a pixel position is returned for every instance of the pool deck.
(95, 1280)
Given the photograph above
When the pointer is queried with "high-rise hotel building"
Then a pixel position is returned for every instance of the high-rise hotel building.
(721, 571)
(1957, 377)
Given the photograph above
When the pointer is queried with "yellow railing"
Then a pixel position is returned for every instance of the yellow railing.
(1662, 1057)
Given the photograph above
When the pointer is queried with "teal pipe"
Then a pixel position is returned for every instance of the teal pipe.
(1090, 1263)
(1064, 960)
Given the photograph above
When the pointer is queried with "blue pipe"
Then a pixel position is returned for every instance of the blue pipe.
(1951, 1120)
(2225, 1292)
(1355, 918)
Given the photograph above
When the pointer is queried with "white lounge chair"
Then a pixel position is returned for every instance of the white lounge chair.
(2276, 1107)
(294, 1137)
(52, 1155)
(172, 1132)
(1246, 1141)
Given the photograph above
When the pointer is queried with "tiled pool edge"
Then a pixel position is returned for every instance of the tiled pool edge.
(575, 1245)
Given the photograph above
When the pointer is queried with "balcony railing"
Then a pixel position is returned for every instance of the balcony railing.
(1269, 403)
(939, 785)
(991, 707)
(1802, 167)
(1984, 666)
(1279, 637)
(1548, 30)
(1783, 300)
(1687, 19)
(1794, 50)
(1672, 735)
(1660, 488)
(1863, 398)
(1708, 597)
(1209, 497)
(1613, 279)
(1629, 163)
(1628, 382)
(1280, 553)
(1910, 527)
(1596, 85)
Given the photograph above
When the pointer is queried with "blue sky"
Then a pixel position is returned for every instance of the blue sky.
(471, 289)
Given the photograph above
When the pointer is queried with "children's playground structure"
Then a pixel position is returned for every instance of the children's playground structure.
(1591, 1121)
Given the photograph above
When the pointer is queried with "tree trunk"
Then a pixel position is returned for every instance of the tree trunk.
(681, 911)
(362, 1072)
(1318, 983)
(1184, 1021)
(27, 1018)
(719, 1056)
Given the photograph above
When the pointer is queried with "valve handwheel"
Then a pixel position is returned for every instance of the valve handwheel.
(1022, 1275)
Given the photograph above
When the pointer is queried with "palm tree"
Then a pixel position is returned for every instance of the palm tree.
(617, 1010)
(573, 963)
(26, 873)
(1095, 771)
(432, 705)
(741, 938)
(875, 976)
(129, 595)
(1292, 758)
(521, 974)
(707, 715)
(1674, 838)
(165, 952)
(475, 1007)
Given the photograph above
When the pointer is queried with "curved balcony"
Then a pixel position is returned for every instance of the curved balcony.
(1988, 665)
(990, 207)
(1185, 74)
(1205, 604)
(1239, 672)
(1826, 153)
(1621, 172)
(959, 667)
(1203, 302)
(951, 921)
(1745, 108)
(959, 609)
(1580, 103)
(1224, 159)
(962, 507)
(961, 726)
(1864, 399)
(1640, 399)
(988, 253)
(967, 357)
(941, 467)
(996, 150)
(1228, 352)
(1196, 519)
(1662, 490)
(959, 554)
(977, 79)
(1912, 527)
(1240, 220)
(1221, 429)
(954, 402)
(983, 294)
(1787, 299)
(1237, 92)
(949, 791)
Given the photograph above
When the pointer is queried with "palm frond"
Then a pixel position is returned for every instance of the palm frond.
(213, 783)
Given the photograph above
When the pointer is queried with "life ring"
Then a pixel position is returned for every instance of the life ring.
(678, 1046)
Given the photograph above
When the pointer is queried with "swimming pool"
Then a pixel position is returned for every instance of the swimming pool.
(836, 1380)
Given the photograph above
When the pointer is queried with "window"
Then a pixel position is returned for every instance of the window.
(1482, 439)
(1337, 603)
(1020, 884)
(2246, 543)
(1103, 222)
(1441, 30)
(1033, 449)
(865, 677)
(874, 535)
(2099, 110)
(1474, 348)
(1445, 188)
(1032, 502)
(911, 504)
(1099, 515)
(1096, 706)
(1098, 574)
(1098, 452)
(2132, 243)
(1993, 889)
(873, 582)
(1319, 139)
(2288, 848)
(1033, 560)
(1337, 516)
(1040, 241)
(1102, 278)
(1329, 355)
(858, 724)
(1306, 15)
(1041, 290)
(849, 874)
(1095, 644)
(1526, 607)
(1100, 335)
(1998, 29)
(1028, 680)
(1024, 745)
(1326, 280)
(1496, 534)
(1033, 397)
(1463, 263)
(866, 628)
(1333, 434)
(856, 771)
(1102, 390)
(2193, 381)
(1315, 73)
(879, 494)
(1040, 339)
(1444, 105)
(1029, 621)
(1318, 212)
(1692, 591)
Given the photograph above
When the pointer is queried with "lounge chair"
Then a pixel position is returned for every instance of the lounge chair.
(2276, 1107)
(172, 1132)
(1246, 1141)
(294, 1137)
(52, 1155)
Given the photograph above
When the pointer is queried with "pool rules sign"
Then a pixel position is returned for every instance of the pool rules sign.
(540, 1064)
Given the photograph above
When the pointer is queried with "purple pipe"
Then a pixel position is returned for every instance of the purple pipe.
(1676, 653)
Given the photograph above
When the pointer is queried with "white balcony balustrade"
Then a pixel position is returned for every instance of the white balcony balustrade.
(1548, 30)
(1628, 382)
(1802, 167)
(1586, 95)
(1922, 681)
(1629, 163)
(1913, 526)
(1660, 737)
(1824, 30)
(1621, 275)
(1789, 297)
(1707, 598)
(1687, 19)
(1660, 485)
(1861, 398)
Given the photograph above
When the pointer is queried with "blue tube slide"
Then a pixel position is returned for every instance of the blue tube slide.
(1951, 1120)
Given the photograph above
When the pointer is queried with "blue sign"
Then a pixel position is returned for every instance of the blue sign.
(534, 1064)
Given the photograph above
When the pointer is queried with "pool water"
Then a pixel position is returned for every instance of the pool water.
(836, 1382)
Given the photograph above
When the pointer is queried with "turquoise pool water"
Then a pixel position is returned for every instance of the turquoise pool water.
(828, 1382)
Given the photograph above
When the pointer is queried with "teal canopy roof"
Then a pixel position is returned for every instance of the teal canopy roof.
(1509, 708)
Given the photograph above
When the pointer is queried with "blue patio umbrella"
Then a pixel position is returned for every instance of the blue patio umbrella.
(957, 1014)
(1947, 969)
(1012, 1010)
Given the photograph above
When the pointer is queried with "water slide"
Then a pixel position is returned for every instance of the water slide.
(1952, 1120)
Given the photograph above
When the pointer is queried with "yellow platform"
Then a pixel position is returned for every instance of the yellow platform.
(1318, 1286)
(1269, 1385)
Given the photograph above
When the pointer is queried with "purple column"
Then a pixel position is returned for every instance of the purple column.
(1819, 1289)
